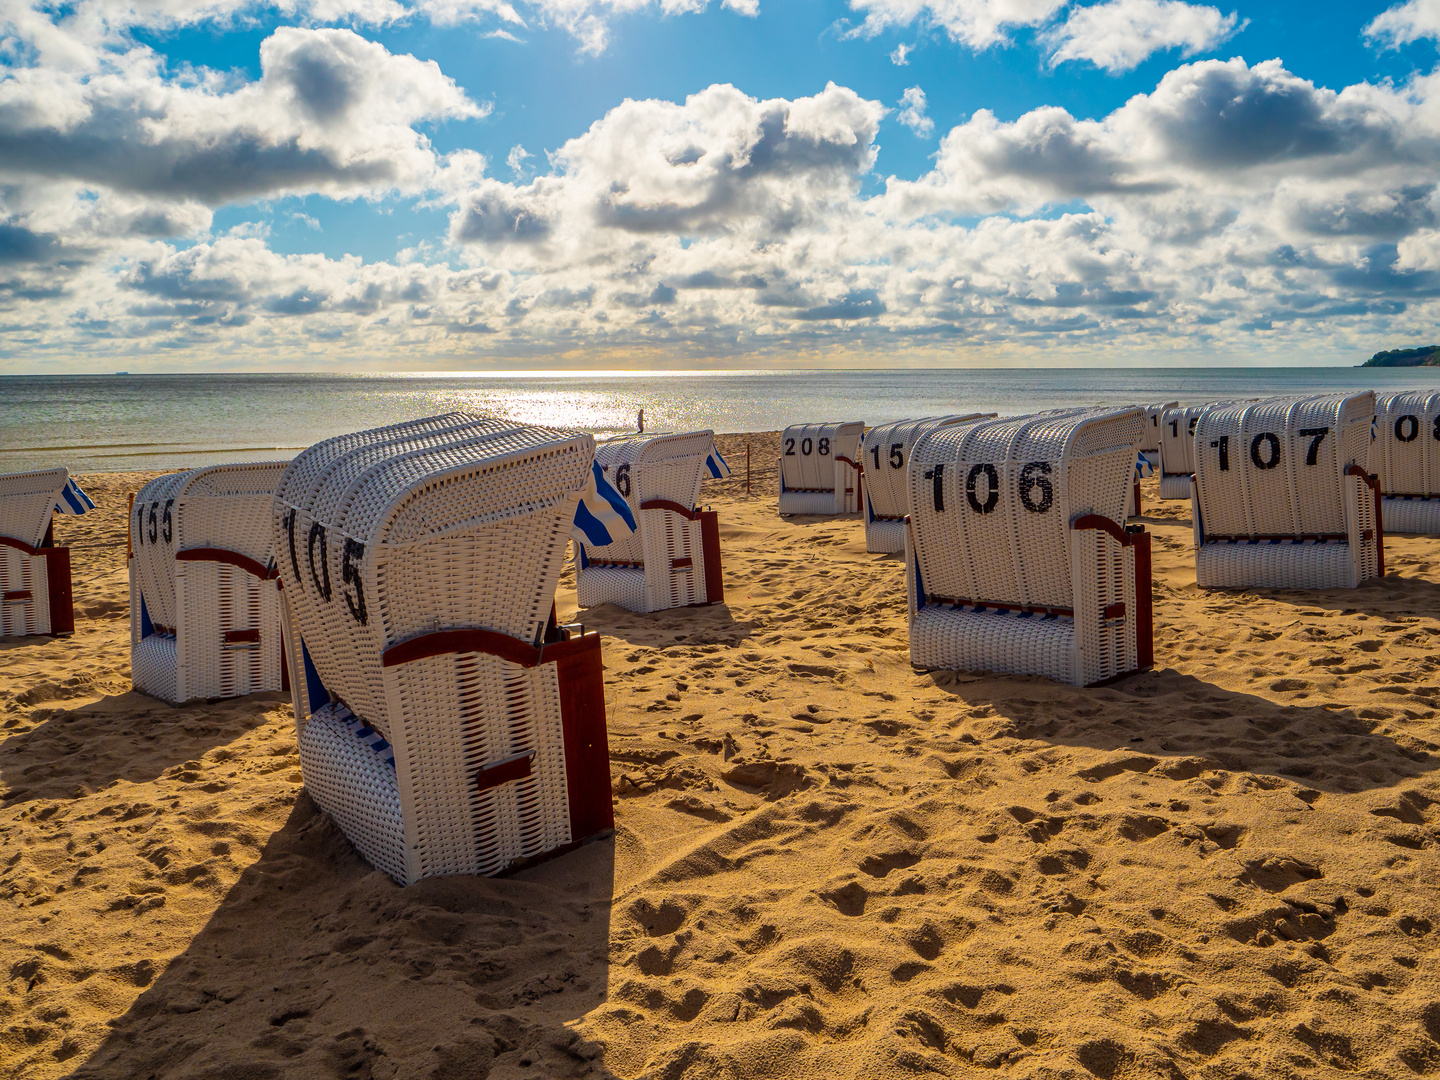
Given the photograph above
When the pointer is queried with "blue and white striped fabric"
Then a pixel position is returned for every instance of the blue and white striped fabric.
(602, 516)
(366, 734)
(716, 464)
(73, 499)
(1144, 466)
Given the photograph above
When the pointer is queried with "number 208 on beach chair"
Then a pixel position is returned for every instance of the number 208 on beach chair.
(1283, 497)
(1017, 556)
(35, 596)
(673, 558)
(204, 612)
(1407, 457)
(820, 470)
(885, 452)
(445, 722)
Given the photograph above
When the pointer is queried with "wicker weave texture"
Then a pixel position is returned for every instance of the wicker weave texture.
(1274, 475)
(24, 585)
(27, 501)
(992, 512)
(885, 452)
(456, 523)
(1407, 515)
(813, 479)
(666, 548)
(1407, 457)
(221, 619)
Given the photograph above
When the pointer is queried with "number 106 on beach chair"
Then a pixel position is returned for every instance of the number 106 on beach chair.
(445, 721)
(1017, 556)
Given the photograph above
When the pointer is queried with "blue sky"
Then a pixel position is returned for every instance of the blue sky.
(219, 184)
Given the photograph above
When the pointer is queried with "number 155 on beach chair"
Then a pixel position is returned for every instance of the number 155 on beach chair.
(1017, 556)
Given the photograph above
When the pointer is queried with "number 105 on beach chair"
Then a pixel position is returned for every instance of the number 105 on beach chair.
(445, 721)
(1017, 556)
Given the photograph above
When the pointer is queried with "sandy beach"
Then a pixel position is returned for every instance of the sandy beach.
(825, 864)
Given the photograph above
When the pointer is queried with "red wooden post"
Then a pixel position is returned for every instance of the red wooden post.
(747, 468)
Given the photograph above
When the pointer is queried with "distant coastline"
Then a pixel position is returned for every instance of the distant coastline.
(1425, 356)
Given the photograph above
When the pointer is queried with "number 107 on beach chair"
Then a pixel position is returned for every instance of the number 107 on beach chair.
(445, 722)
(820, 470)
(35, 596)
(1017, 556)
(1283, 496)
(204, 612)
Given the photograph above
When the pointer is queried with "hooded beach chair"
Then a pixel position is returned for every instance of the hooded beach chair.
(673, 558)
(204, 612)
(445, 721)
(886, 451)
(1177, 449)
(1017, 556)
(820, 470)
(1150, 440)
(1406, 457)
(1283, 496)
(35, 595)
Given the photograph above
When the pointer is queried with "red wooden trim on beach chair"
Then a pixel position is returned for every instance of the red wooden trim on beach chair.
(1373, 482)
(242, 637)
(668, 504)
(471, 639)
(503, 772)
(710, 550)
(14, 596)
(233, 558)
(580, 674)
(1144, 601)
(18, 545)
(57, 584)
(1103, 524)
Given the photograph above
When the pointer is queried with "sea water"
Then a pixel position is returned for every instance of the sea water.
(113, 423)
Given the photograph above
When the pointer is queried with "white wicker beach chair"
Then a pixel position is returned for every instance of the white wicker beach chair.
(673, 558)
(1283, 496)
(35, 595)
(1150, 440)
(820, 468)
(1018, 558)
(886, 451)
(204, 610)
(445, 721)
(1406, 456)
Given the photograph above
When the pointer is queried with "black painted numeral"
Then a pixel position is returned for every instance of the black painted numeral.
(289, 520)
(897, 455)
(154, 525)
(1174, 429)
(140, 521)
(167, 523)
(1413, 427)
(807, 444)
(350, 575)
(824, 446)
(992, 488)
(937, 474)
(1223, 445)
(321, 580)
(789, 447)
(1036, 475)
(876, 451)
(622, 479)
(1270, 439)
(1193, 421)
(1316, 435)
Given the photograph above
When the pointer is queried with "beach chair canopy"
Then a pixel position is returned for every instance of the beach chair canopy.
(993, 502)
(667, 562)
(1150, 438)
(1407, 443)
(885, 452)
(808, 453)
(453, 522)
(1278, 467)
(27, 501)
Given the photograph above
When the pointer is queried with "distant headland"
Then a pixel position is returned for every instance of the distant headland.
(1425, 356)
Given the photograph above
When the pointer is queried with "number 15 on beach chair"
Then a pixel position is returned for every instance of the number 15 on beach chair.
(1017, 556)
(885, 452)
(820, 468)
(445, 722)
(1283, 496)
(35, 596)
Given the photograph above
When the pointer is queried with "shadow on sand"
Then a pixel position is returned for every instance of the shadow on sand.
(709, 625)
(315, 965)
(1182, 727)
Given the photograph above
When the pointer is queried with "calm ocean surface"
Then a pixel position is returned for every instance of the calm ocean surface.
(113, 423)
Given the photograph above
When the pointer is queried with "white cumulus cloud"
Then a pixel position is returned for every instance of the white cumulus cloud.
(912, 112)
(974, 23)
(1404, 23)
